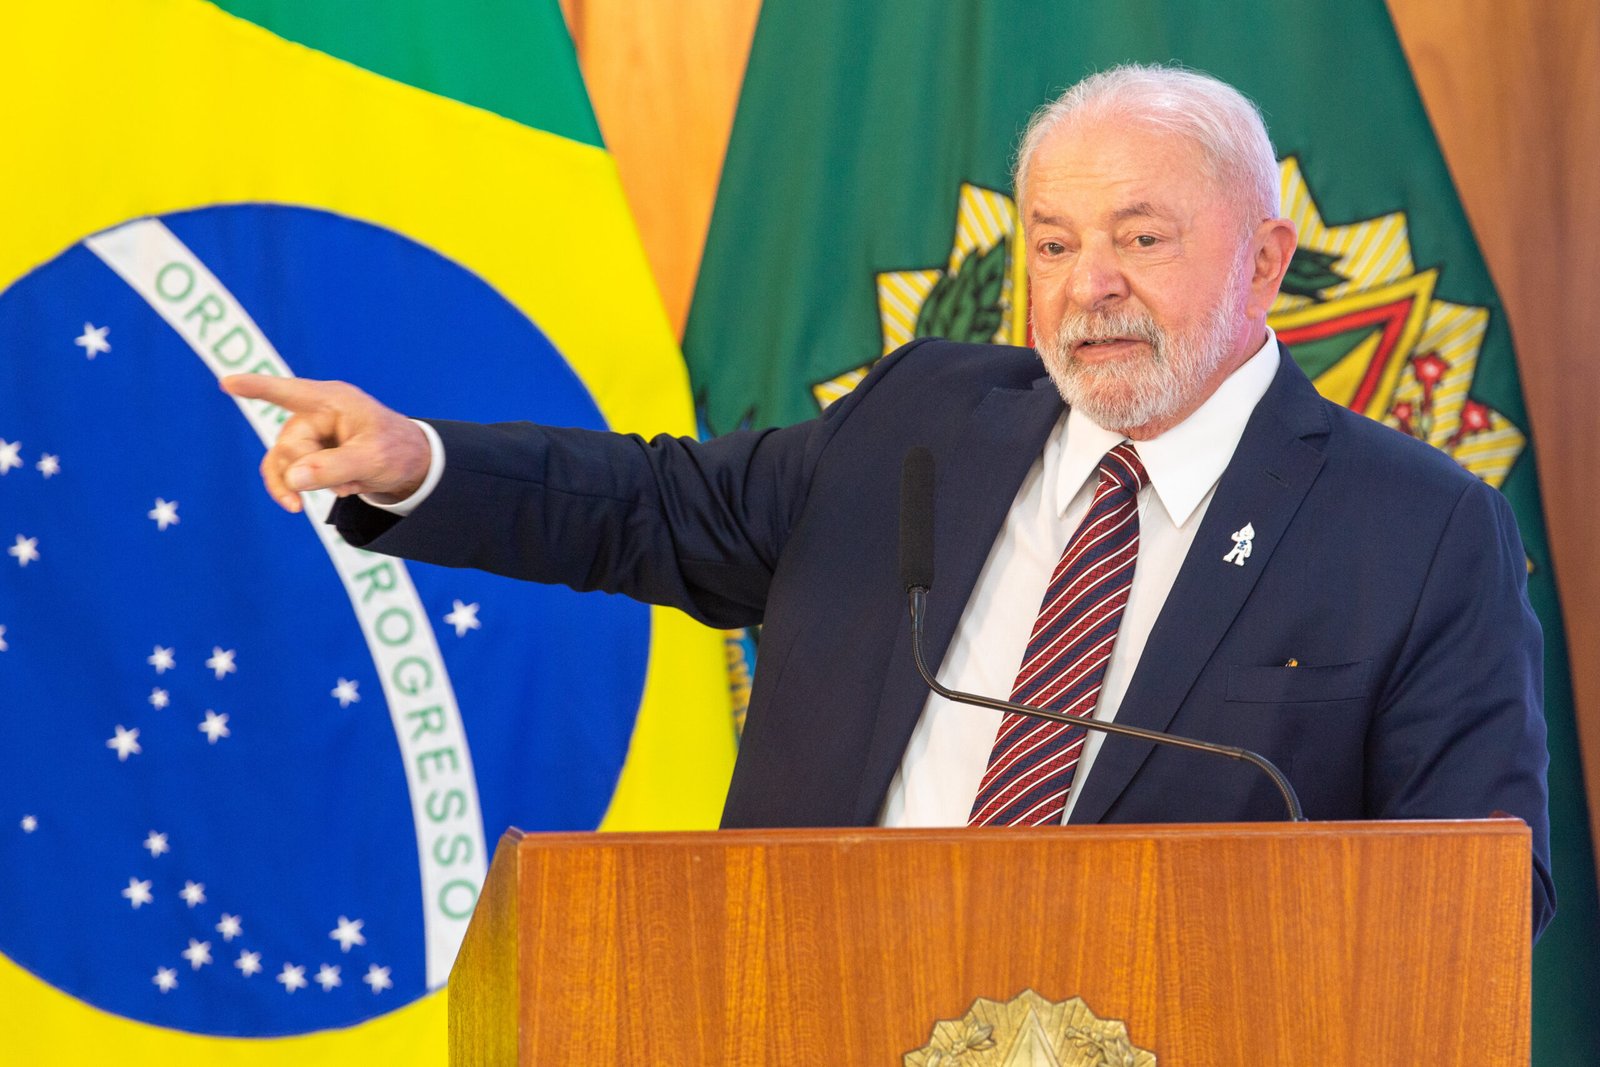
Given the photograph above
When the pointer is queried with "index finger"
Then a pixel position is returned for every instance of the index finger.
(301, 395)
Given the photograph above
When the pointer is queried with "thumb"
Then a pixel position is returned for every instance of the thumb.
(390, 459)
(349, 465)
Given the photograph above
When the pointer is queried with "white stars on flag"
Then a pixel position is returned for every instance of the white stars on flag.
(292, 977)
(181, 786)
(214, 727)
(11, 459)
(198, 953)
(126, 743)
(138, 893)
(221, 662)
(26, 550)
(348, 933)
(464, 618)
(165, 513)
(3, 645)
(93, 340)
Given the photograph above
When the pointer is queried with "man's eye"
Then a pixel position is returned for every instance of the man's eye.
(1052, 248)
(1145, 240)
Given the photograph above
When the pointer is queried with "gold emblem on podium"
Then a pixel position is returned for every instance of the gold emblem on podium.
(1029, 1031)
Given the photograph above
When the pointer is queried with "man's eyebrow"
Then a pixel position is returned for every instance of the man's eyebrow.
(1143, 209)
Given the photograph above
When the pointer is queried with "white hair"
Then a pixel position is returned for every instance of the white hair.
(1214, 116)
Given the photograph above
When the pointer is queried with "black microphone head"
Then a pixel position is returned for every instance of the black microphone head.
(916, 519)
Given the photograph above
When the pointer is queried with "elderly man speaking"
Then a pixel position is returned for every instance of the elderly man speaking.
(1152, 518)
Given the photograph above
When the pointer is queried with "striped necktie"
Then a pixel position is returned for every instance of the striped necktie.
(1031, 765)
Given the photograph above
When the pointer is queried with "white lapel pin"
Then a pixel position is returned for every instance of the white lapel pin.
(1241, 546)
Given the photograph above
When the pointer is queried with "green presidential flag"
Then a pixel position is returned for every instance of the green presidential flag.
(866, 200)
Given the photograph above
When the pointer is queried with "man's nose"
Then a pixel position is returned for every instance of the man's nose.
(1097, 279)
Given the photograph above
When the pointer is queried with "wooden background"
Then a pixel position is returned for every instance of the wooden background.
(1512, 86)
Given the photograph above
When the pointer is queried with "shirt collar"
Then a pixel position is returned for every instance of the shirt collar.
(1186, 461)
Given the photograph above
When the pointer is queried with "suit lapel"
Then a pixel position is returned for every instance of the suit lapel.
(976, 480)
(1264, 484)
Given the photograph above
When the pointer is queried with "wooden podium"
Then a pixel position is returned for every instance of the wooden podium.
(1276, 944)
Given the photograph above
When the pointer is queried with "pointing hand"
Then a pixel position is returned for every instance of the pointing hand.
(337, 438)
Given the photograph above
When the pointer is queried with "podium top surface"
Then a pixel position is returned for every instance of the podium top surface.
(1364, 829)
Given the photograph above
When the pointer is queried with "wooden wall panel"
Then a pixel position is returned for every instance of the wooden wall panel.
(664, 78)
(1514, 93)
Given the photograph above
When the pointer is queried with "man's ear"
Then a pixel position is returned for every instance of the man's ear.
(1272, 247)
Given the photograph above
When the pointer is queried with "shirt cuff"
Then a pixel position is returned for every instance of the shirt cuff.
(435, 472)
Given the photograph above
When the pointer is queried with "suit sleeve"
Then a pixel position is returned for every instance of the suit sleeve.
(694, 525)
(1460, 729)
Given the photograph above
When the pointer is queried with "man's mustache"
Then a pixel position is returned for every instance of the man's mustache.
(1076, 329)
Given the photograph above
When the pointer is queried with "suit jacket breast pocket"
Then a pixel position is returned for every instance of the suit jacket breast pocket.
(1299, 685)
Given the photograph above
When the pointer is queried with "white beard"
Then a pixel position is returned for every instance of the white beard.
(1125, 395)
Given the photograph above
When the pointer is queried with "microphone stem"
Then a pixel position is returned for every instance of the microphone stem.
(919, 598)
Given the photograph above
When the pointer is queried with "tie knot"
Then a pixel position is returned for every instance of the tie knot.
(1121, 465)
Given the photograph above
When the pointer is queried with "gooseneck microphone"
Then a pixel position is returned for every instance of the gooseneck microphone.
(916, 576)
(916, 520)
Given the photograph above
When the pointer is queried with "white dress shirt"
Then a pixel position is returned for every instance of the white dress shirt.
(944, 763)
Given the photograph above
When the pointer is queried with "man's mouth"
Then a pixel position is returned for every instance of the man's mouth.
(1105, 345)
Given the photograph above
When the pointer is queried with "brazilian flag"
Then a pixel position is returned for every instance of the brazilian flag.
(251, 776)
(866, 200)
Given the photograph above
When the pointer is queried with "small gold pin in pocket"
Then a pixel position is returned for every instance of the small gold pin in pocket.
(1292, 662)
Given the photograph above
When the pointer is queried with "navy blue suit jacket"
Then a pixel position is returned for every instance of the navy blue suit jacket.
(1392, 577)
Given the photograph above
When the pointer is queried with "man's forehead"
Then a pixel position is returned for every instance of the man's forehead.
(1113, 133)
(1113, 171)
